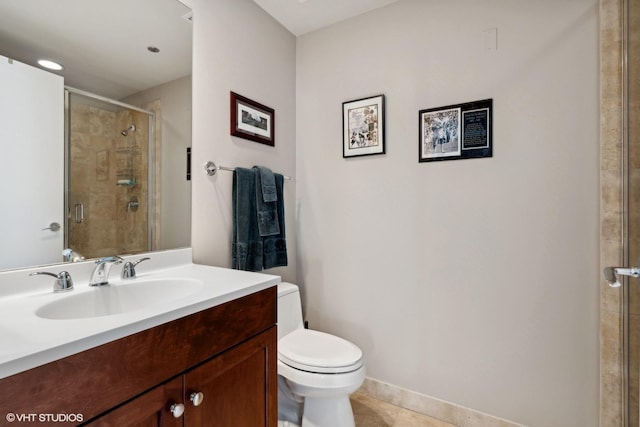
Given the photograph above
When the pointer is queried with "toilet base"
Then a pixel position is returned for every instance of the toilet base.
(327, 412)
(317, 400)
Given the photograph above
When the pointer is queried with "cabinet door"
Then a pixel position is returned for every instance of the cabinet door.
(239, 387)
(151, 409)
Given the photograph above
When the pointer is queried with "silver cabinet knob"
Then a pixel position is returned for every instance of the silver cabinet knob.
(177, 409)
(196, 398)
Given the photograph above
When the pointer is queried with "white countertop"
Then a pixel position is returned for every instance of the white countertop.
(28, 341)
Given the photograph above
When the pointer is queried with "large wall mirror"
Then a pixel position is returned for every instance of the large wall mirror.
(124, 142)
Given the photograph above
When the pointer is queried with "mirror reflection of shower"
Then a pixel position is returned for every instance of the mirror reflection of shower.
(126, 131)
(110, 162)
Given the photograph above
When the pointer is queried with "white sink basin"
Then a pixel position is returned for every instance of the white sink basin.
(117, 299)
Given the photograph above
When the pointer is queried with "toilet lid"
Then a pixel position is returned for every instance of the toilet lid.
(315, 351)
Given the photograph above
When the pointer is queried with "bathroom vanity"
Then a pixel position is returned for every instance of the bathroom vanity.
(206, 359)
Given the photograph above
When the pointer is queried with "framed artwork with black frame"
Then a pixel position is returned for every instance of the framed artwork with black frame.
(461, 131)
(252, 120)
(363, 127)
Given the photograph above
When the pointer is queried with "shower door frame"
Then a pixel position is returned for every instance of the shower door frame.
(151, 169)
(613, 311)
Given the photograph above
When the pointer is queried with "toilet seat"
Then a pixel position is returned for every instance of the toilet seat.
(319, 352)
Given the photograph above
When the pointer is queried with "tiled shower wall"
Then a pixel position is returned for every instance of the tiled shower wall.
(100, 156)
(132, 160)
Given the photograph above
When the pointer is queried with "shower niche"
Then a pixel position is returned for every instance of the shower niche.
(107, 172)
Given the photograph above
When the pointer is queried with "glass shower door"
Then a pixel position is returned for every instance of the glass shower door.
(107, 175)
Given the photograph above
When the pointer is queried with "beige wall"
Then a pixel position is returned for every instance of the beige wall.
(238, 47)
(472, 281)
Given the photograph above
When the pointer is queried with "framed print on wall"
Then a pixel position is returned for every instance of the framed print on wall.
(252, 120)
(461, 131)
(363, 127)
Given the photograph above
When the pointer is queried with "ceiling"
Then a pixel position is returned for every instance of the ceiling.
(304, 16)
(101, 43)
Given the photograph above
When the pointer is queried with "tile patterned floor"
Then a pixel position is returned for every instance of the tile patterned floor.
(370, 412)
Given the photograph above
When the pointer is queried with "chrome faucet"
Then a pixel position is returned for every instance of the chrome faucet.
(100, 274)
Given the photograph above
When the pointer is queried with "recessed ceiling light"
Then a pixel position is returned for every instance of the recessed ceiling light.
(50, 64)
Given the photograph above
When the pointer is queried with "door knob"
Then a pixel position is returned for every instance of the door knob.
(611, 274)
(54, 226)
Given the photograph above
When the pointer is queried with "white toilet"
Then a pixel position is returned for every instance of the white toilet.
(316, 371)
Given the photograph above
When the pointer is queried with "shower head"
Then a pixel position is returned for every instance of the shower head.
(126, 131)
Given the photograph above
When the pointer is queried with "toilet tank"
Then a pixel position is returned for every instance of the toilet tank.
(289, 309)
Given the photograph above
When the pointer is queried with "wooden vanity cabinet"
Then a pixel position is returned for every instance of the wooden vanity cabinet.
(227, 353)
(234, 388)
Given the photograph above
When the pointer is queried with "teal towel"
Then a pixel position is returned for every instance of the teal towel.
(249, 250)
(246, 248)
(275, 247)
(266, 200)
(267, 183)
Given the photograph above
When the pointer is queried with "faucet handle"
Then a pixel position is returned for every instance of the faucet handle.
(129, 271)
(63, 281)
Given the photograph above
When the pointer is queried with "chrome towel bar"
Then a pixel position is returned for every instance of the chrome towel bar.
(211, 169)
